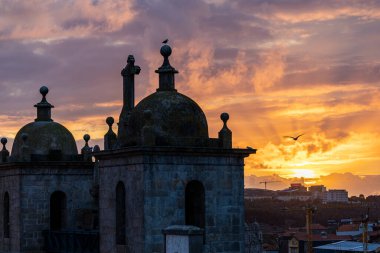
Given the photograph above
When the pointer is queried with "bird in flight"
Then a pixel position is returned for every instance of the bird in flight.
(294, 138)
(165, 41)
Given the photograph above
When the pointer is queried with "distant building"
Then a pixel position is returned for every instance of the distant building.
(347, 246)
(296, 242)
(298, 187)
(355, 229)
(335, 196)
(258, 194)
(287, 195)
(317, 191)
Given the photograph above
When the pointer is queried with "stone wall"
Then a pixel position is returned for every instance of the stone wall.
(222, 178)
(128, 170)
(157, 180)
(31, 187)
(10, 182)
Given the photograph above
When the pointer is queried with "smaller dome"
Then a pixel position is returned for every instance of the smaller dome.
(44, 139)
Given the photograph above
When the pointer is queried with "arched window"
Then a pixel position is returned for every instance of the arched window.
(57, 210)
(195, 204)
(6, 215)
(120, 214)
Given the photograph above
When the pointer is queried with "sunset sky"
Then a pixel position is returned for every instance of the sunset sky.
(278, 68)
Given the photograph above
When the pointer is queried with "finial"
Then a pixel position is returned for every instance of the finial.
(44, 107)
(4, 153)
(225, 134)
(86, 138)
(166, 51)
(4, 142)
(110, 138)
(44, 91)
(224, 117)
(86, 150)
(166, 71)
(110, 121)
(96, 148)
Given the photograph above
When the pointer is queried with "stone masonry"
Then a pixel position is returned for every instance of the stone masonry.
(155, 180)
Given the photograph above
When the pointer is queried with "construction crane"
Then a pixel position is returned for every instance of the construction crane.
(310, 210)
(268, 182)
(309, 219)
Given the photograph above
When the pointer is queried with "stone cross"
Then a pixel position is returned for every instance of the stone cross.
(128, 74)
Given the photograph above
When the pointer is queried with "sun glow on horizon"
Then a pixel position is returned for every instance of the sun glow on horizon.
(305, 173)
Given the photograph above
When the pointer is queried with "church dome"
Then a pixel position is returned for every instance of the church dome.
(44, 137)
(176, 119)
(165, 117)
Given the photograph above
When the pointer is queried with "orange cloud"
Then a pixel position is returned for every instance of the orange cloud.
(49, 21)
(300, 11)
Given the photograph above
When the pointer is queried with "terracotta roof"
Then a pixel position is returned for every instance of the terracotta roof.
(348, 227)
(301, 236)
(314, 226)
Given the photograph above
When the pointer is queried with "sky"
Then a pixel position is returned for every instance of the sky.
(281, 67)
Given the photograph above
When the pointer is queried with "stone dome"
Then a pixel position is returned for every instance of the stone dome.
(176, 119)
(44, 139)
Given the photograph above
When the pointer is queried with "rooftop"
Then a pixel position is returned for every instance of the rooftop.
(349, 246)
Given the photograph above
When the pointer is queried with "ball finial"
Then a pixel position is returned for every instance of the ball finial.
(86, 137)
(96, 148)
(44, 91)
(224, 117)
(166, 50)
(110, 121)
(4, 141)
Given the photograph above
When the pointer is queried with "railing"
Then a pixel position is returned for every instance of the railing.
(71, 241)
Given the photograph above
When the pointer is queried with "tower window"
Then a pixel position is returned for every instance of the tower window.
(57, 210)
(120, 214)
(195, 204)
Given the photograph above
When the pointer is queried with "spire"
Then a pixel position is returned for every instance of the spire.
(43, 107)
(166, 71)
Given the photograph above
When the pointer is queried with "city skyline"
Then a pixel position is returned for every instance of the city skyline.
(279, 69)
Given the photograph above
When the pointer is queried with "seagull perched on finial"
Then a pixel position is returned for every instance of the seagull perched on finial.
(294, 138)
(165, 41)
